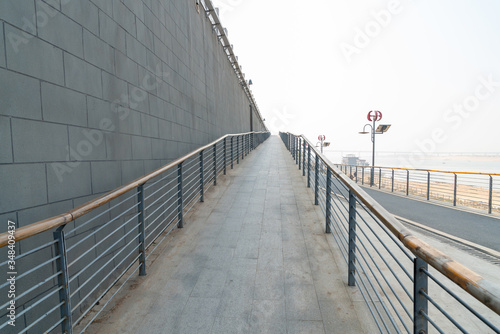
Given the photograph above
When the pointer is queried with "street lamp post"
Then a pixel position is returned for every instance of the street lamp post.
(374, 116)
(322, 143)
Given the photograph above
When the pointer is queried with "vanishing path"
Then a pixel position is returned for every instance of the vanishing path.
(253, 258)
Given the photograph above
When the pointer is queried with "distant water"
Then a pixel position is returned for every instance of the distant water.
(462, 163)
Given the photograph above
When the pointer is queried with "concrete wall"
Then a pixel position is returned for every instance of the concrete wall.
(95, 93)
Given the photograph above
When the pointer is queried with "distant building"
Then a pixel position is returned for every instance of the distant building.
(351, 159)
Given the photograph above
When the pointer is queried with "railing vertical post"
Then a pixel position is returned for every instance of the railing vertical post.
(455, 190)
(142, 230)
(420, 306)
(328, 199)
(350, 171)
(225, 154)
(407, 182)
(215, 164)
(295, 149)
(300, 153)
(304, 158)
(316, 179)
(180, 205)
(242, 147)
(237, 150)
(63, 281)
(308, 166)
(356, 174)
(428, 184)
(392, 181)
(379, 178)
(351, 281)
(296, 143)
(362, 175)
(232, 152)
(490, 197)
(202, 179)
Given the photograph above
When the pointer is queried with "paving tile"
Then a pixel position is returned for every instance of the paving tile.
(309, 327)
(301, 302)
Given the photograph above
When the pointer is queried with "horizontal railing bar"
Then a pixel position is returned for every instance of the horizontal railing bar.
(106, 290)
(383, 276)
(360, 265)
(44, 316)
(426, 316)
(54, 326)
(76, 228)
(26, 273)
(161, 197)
(62, 219)
(464, 304)
(440, 309)
(108, 235)
(34, 250)
(163, 230)
(109, 222)
(194, 201)
(385, 246)
(340, 243)
(76, 275)
(27, 309)
(368, 302)
(159, 189)
(24, 293)
(383, 259)
(111, 298)
(154, 220)
(100, 269)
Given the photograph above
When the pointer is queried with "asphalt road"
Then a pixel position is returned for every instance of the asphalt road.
(477, 228)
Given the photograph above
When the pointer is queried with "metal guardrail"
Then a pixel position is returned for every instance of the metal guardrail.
(408, 285)
(60, 276)
(476, 190)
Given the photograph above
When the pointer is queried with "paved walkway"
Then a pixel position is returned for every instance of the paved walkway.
(252, 259)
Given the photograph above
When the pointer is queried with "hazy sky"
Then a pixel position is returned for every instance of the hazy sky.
(318, 66)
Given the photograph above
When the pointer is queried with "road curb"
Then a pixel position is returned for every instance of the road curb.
(483, 249)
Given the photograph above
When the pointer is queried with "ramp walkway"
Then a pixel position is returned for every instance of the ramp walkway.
(253, 258)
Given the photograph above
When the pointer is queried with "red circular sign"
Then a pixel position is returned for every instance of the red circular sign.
(321, 137)
(374, 115)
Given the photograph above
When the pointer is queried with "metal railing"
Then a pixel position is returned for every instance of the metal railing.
(408, 285)
(476, 190)
(66, 264)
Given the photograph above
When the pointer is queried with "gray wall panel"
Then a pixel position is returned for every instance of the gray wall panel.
(95, 94)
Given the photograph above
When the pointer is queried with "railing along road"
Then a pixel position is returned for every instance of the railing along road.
(476, 190)
(64, 265)
(408, 285)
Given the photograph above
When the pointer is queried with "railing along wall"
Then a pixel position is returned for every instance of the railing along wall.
(476, 190)
(408, 285)
(64, 265)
